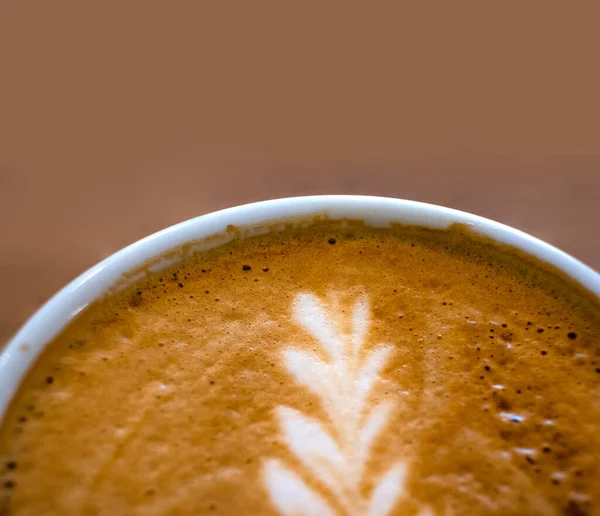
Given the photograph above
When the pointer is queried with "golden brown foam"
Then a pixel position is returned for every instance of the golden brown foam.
(160, 400)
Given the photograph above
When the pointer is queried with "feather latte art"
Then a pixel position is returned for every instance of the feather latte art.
(332, 369)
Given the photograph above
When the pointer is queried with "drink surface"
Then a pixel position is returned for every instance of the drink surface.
(333, 369)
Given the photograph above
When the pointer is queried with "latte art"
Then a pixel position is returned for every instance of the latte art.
(343, 384)
(332, 369)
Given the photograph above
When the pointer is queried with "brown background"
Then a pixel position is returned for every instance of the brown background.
(120, 118)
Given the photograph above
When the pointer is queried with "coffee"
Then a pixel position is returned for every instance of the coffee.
(331, 369)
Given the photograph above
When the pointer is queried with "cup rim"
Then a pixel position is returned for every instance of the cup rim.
(40, 329)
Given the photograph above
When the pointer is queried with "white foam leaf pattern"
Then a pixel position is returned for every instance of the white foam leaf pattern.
(369, 373)
(343, 385)
(388, 489)
(307, 368)
(312, 445)
(309, 312)
(375, 422)
(290, 495)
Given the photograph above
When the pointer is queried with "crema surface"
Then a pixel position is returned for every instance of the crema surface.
(333, 369)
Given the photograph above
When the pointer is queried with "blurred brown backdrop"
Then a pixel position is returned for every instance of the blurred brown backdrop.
(120, 118)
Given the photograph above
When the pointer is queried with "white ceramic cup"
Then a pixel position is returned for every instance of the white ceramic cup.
(48, 321)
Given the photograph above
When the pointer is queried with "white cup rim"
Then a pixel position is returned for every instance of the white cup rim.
(26, 345)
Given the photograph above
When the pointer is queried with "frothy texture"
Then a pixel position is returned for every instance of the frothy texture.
(334, 369)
